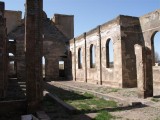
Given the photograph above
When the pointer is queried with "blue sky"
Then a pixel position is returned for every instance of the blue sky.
(90, 13)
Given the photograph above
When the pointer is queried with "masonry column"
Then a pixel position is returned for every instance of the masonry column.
(3, 52)
(33, 38)
(145, 84)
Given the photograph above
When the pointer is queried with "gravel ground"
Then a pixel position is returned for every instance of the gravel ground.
(150, 112)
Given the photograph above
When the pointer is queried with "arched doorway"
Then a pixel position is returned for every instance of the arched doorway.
(155, 43)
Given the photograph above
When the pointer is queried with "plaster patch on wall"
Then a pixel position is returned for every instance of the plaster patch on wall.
(110, 31)
(82, 42)
(110, 70)
(151, 17)
(92, 38)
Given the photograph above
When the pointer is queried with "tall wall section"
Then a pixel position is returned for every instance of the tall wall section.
(150, 25)
(34, 47)
(130, 35)
(3, 52)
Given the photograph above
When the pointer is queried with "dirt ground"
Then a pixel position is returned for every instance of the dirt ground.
(150, 109)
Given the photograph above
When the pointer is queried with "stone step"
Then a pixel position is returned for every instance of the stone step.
(16, 89)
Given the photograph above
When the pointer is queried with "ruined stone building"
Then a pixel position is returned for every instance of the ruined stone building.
(24, 42)
(56, 36)
(86, 58)
(133, 53)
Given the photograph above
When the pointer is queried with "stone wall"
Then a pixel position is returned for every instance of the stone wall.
(156, 78)
(13, 19)
(150, 25)
(34, 47)
(131, 34)
(98, 37)
(3, 52)
(64, 23)
(54, 49)
(125, 32)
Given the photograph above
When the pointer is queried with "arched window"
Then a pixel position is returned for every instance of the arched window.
(79, 58)
(155, 49)
(92, 56)
(109, 54)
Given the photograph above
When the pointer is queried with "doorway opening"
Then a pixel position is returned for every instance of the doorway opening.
(61, 69)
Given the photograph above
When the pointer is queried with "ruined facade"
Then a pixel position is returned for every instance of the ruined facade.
(85, 58)
(56, 35)
(132, 66)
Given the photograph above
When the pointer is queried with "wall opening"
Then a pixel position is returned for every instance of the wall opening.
(11, 40)
(61, 69)
(92, 56)
(11, 55)
(79, 58)
(155, 49)
(109, 54)
(44, 67)
(12, 66)
(12, 69)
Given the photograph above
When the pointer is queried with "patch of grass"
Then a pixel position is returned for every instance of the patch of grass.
(157, 118)
(155, 99)
(84, 102)
(114, 90)
(88, 95)
(92, 103)
(103, 115)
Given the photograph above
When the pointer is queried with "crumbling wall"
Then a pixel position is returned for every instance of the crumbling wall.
(131, 34)
(150, 24)
(73, 59)
(80, 45)
(13, 19)
(111, 76)
(19, 55)
(98, 37)
(64, 23)
(54, 49)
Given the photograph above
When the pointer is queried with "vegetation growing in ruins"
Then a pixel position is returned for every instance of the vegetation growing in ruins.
(104, 115)
(84, 102)
(91, 103)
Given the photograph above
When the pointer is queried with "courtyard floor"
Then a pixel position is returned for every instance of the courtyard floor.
(149, 108)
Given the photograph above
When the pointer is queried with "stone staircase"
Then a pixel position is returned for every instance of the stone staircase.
(16, 89)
